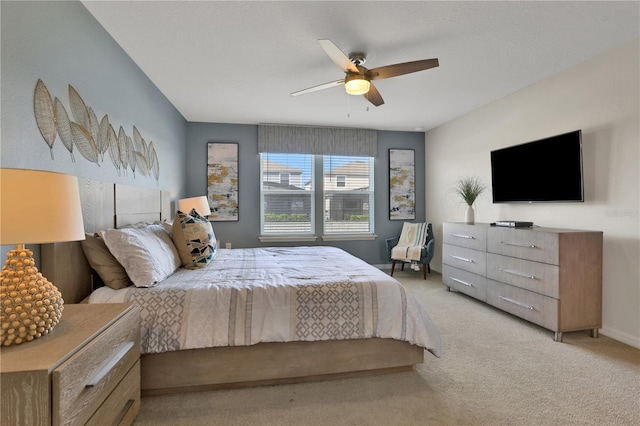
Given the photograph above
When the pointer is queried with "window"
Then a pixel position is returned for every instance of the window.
(284, 178)
(348, 193)
(287, 191)
(289, 196)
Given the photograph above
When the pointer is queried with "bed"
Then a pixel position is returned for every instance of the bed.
(253, 316)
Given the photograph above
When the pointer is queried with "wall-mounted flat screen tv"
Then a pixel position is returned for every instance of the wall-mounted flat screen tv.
(546, 170)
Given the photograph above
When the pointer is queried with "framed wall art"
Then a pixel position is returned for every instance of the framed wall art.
(222, 180)
(402, 184)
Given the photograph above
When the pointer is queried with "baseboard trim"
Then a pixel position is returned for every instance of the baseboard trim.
(620, 336)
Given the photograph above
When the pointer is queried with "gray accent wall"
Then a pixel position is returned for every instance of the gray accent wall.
(61, 43)
(245, 231)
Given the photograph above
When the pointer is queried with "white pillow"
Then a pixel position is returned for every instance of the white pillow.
(147, 254)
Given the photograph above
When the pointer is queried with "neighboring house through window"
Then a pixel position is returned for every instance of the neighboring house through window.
(289, 194)
(316, 182)
(348, 193)
(287, 202)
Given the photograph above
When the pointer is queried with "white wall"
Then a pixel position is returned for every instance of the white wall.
(599, 96)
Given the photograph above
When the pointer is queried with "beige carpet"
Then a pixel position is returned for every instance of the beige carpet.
(495, 370)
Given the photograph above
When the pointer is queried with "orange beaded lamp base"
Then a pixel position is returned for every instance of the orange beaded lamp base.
(31, 305)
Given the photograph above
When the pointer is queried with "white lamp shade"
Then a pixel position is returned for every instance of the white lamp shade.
(38, 207)
(185, 205)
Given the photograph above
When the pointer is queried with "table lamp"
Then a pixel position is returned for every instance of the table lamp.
(36, 207)
(185, 205)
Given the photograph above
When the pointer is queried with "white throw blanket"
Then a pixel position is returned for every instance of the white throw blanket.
(412, 241)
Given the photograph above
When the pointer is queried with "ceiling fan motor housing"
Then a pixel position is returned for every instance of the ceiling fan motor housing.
(357, 58)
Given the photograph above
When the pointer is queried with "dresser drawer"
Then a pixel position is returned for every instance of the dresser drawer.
(464, 258)
(463, 235)
(123, 404)
(534, 307)
(549, 276)
(534, 276)
(83, 382)
(465, 282)
(525, 244)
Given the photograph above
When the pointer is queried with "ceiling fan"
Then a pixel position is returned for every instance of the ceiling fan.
(358, 78)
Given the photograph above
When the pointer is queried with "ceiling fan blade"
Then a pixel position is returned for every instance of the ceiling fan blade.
(337, 56)
(374, 96)
(401, 69)
(319, 87)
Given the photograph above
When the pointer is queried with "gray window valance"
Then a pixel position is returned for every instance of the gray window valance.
(277, 138)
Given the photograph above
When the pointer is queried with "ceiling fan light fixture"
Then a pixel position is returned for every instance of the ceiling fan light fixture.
(356, 85)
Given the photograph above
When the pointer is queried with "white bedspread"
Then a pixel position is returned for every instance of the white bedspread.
(247, 296)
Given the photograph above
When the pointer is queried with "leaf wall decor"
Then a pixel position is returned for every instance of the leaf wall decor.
(137, 139)
(44, 110)
(114, 149)
(145, 150)
(94, 127)
(64, 127)
(143, 165)
(151, 160)
(154, 166)
(84, 142)
(131, 155)
(78, 108)
(124, 152)
(103, 139)
(90, 136)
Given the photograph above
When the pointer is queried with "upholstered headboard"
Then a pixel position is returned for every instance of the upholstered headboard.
(104, 205)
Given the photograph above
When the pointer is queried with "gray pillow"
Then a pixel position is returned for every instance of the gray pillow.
(103, 263)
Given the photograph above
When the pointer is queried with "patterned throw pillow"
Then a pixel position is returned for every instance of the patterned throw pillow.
(194, 238)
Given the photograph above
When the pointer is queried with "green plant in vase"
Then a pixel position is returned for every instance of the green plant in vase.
(469, 188)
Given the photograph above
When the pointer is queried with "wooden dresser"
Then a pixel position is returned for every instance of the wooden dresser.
(551, 277)
(86, 371)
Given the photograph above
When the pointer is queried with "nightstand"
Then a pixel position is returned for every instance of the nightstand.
(86, 371)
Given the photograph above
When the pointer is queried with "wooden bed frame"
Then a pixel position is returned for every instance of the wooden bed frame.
(114, 205)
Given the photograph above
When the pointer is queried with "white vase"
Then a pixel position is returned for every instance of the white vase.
(469, 215)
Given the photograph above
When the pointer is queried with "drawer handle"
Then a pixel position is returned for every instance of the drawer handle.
(461, 282)
(464, 259)
(125, 410)
(468, 237)
(519, 245)
(107, 367)
(515, 302)
(518, 273)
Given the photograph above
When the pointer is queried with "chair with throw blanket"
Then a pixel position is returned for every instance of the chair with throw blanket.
(415, 245)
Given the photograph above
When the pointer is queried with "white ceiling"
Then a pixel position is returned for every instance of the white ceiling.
(238, 61)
